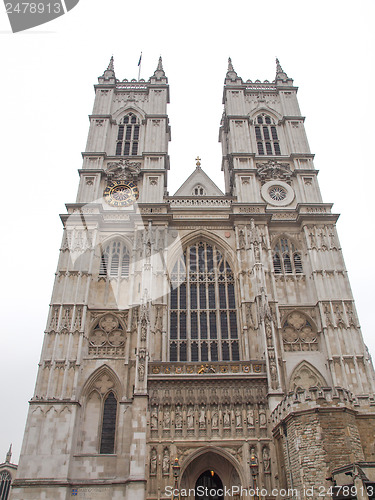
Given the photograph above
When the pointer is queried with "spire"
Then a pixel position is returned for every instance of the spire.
(160, 65)
(231, 75)
(109, 73)
(111, 65)
(280, 73)
(159, 72)
(9, 455)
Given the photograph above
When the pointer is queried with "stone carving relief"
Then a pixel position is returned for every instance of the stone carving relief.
(123, 170)
(272, 170)
(107, 336)
(298, 333)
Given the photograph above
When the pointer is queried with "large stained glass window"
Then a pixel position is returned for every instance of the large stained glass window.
(203, 318)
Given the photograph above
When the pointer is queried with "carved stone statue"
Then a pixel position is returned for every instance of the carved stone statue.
(153, 462)
(226, 418)
(202, 417)
(250, 417)
(215, 419)
(266, 459)
(154, 419)
(262, 417)
(190, 418)
(166, 462)
(238, 418)
(166, 418)
(178, 418)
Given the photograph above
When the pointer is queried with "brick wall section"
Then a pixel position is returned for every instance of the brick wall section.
(341, 439)
(366, 428)
(307, 457)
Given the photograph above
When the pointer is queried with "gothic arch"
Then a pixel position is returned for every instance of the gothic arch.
(98, 382)
(222, 462)
(207, 237)
(264, 109)
(304, 376)
(121, 112)
(302, 313)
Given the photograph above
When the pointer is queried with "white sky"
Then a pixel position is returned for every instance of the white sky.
(46, 81)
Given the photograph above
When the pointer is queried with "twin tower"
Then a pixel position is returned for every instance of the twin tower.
(204, 339)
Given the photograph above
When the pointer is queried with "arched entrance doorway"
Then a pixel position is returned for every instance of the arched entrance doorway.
(209, 486)
(227, 473)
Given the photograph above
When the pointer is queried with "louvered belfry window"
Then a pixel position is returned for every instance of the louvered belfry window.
(107, 443)
(286, 258)
(128, 136)
(115, 260)
(266, 136)
(203, 317)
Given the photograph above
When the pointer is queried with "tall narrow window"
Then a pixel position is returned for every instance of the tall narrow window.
(107, 443)
(266, 136)
(286, 258)
(5, 482)
(128, 136)
(115, 260)
(203, 307)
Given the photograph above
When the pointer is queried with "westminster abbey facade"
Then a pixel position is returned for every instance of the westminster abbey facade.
(205, 338)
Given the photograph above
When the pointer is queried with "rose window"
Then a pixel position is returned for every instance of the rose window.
(277, 193)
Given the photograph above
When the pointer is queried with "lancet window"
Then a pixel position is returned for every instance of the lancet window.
(115, 260)
(5, 482)
(107, 443)
(128, 136)
(266, 135)
(286, 258)
(203, 317)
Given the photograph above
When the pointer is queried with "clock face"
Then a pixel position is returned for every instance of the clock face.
(121, 193)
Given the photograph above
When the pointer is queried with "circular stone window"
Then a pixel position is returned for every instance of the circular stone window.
(277, 193)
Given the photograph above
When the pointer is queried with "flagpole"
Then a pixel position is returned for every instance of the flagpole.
(139, 66)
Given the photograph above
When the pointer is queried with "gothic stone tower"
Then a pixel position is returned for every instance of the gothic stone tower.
(212, 332)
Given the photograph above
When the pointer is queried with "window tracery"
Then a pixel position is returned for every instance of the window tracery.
(203, 318)
(115, 260)
(266, 135)
(107, 337)
(5, 482)
(128, 136)
(286, 258)
(298, 333)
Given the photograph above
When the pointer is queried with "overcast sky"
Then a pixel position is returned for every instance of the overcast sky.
(46, 88)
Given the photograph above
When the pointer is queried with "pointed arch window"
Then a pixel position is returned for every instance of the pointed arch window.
(5, 482)
(286, 258)
(203, 315)
(128, 136)
(115, 260)
(107, 443)
(266, 135)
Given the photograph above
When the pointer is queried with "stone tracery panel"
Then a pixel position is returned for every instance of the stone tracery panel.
(107, 336)
(298, 333)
